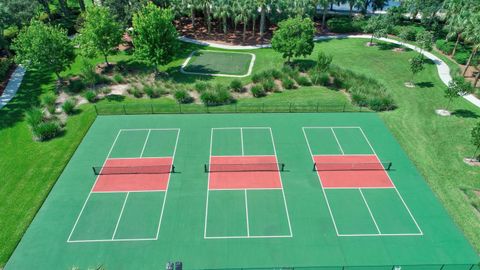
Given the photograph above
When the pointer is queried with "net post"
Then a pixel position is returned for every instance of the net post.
(314, 166)
(173, 168)
(94, 171)
(282, 167)
(205, 168)
(389, 165)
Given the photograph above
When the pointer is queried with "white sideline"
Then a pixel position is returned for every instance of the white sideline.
(442, 67)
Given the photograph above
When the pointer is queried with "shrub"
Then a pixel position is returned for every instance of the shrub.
(182, 96)
(201, 87)
(75, 86)
(91, 96)
(69, 106)
(46, 130)
(345, 25)
(152, 91)
(135, 92)
(237, 86)
(271, 74)
(288, 83)
(34, 117)
(445, 46)
(276, 74)
(5, 64)
(269, 85)
(118, 78)
(105, 90)
(218, 95)
(303, 81)
(323, 62)
(258, 91)
(320, 78)
(293, 73)
(258, 77)
(461, 57)
(407, 33)
(49, 99)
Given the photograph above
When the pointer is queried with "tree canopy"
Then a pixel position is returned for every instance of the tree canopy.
(294, 37)
(44, 47)
(100, 34)
(154, 36)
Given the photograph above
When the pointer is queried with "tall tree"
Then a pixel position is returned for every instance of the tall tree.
(294, 37)
(324, 4)
(457, 87)
(81, 4)
(457, 13)
(46, 7)
(45, 47)
(124, 9)
(378, 25)
(243, 15)
(100, 34)
(155, 37)
(264, 7)
(472, 35)
(222, 11)
(21, 11)
(476, 139)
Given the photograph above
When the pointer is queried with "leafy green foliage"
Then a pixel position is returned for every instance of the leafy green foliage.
(118, 78)
(425, 40)
(154, 36)
(217, 95)
(323, 62)
(182, 96)
(34, 116)
(319, 78)
(237, 86)
(294, 38)
(417, 64)
(5, 64)
(44, 47)
(69, 106)
(288, 83)
(445, 46)
(76, 86)
(201, 87)
(476, 137)
(345, 25)
(269, 85)
(46, 130)
(407, 33)
(91, 96)
(457, 87)
(258, 91)
(100, 34)
(378, 25)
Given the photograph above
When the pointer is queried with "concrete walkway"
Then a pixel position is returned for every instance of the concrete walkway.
(12, 87)
(442, 67)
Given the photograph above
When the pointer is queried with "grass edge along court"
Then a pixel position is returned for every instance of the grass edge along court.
(311, 240)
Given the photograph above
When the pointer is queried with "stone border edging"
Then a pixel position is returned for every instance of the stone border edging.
(442, 67)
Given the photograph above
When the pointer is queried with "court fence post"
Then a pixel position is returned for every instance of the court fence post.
(124, 109)
(180, 107)
(290, 107)
(236, 108)
(344, 105)
(318, 104)
(96, 111)
(151, 107)
(263, 107)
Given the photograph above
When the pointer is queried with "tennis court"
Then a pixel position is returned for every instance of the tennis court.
(243, 191)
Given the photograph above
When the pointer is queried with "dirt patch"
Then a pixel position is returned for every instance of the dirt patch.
(398, 50)
(196, 97)
(443, 112)
(409, 85)
(119, 89)
(370, 44)
(472, 162)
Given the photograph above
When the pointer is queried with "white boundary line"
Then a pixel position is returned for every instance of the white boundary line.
(246, 214)
(113, 239)
(90, 193)
(249, 72)
(221, 189)
(244, 156)
(370, 211)
(338, 142)
(320, 181)
(241, 139)
(393, 183)
(145, 144)
(394, 187)
(120, 217)
(246, 203)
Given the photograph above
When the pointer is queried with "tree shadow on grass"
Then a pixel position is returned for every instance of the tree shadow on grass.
(179, 77)
(303, 64)
(425, 84)
(114, 98)
(465, 113)
(27, 97)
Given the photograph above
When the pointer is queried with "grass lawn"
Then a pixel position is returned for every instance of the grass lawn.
(219, 63)
(435, 144)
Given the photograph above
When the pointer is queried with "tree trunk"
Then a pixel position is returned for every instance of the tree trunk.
(244, 31)
(475, 153)
(456, 44)
(324, 17)
(331, 6)
(225, 29)
(477, 77)
(262, 24)
(81, 3)
(106, 59)
(351, 10)
(58, 76)
(254, 23)
(209, 21)
(371, 40)
(474, 52)
(193, 17)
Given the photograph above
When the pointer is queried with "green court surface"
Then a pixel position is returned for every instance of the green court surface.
(219, 63)
(296, 218)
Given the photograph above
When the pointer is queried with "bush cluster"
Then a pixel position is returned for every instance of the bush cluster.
(42, 128)
(365, 91)
(182, 96)
(5, 64)
(345, 25)
(216, 95)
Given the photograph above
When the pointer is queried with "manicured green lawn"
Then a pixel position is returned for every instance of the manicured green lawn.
(218, 62)
(436, 145)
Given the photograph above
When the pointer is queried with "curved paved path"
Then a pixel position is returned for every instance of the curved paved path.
(442, 67)
(12, 87)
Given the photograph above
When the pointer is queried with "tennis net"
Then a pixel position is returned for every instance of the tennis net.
(351, 166)
(250, 167)
(157, 169)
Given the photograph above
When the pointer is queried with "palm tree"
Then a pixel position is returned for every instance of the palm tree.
(222, 11)
(264, 7)
(472, 35)
(207, 5)
(324, 4)
(354, 4)
(243, 14)
(457, 16)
